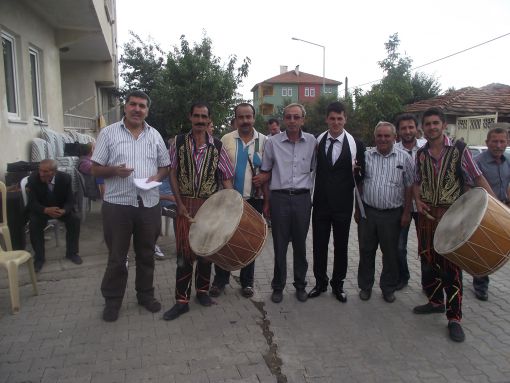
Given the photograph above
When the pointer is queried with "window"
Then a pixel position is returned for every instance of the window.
(307, 92)
(286, 92)
(267, 90)
(36, 82)
(312, 92)
(11, 78)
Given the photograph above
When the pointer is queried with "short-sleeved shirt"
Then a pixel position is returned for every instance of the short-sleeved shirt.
(226, 171)
(291, 163)
(115, 146)
(498, 175)
(386, 177)
(246, 159)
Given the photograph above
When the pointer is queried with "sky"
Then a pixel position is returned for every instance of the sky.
(353, 33)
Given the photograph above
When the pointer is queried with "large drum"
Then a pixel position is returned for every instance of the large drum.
(474, 233)
(228, 231)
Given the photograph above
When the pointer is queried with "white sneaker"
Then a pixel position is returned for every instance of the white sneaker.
(158, 254)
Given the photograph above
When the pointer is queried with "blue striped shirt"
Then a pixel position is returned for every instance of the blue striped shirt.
(115, 146)
(386, 178)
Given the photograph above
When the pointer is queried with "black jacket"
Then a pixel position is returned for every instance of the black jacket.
(39, 196)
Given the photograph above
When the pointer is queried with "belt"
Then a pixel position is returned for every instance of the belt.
(377, 209)
(291, 191)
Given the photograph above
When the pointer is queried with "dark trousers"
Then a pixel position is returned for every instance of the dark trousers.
(322, 221)
(222, 277)
(36, 226)
(290, 218)
(120, 223)
(402, 251)
(380, 227)
(184, 275)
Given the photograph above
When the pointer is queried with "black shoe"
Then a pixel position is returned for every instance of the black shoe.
(151, 304)
(247, 292)
(110, 313)
(389, 297)
(481, 295)
(176, 311)
(401, 285)
(429, 308)
(204, 299)
(38, 265)
(365, 295)
(76, 259)
(456, 332)
(277, 296)
(301, 295)
(340, 294)
(216, 291)
(317, 290)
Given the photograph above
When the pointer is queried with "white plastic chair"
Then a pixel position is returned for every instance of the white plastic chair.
(12, 259)
(52, 221)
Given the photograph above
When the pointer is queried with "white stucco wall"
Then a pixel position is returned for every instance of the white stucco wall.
(29, 30)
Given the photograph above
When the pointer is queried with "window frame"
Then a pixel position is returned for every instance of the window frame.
(14, 62)
(312, 92)
(307, 92)
(33, 52)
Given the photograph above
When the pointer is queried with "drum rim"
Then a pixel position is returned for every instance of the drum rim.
(475, 227)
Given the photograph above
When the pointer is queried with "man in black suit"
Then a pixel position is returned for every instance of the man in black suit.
(340, 160)
(50, 195)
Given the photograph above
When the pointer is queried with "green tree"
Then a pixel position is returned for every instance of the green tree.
(185, 75)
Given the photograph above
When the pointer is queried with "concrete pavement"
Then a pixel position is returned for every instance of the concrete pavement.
(59, 336)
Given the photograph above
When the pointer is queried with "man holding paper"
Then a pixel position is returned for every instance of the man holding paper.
(126, 151)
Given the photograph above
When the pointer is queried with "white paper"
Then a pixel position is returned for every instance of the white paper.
(141, 183)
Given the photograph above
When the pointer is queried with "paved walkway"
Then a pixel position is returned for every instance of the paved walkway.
(59, 336)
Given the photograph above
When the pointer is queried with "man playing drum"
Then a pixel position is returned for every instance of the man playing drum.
(443, 170)
(198, 162)
(495, 167)
(245, 147)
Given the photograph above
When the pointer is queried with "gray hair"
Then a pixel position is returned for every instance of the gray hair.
(53, 164)
(385, 123)
(293, 105)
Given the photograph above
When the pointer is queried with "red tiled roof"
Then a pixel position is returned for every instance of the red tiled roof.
(491, 98)
(293, 77)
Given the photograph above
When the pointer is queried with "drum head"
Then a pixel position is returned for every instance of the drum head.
(460, 221)
(215, 222)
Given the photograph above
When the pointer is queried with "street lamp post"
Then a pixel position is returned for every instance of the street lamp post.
(323, 62)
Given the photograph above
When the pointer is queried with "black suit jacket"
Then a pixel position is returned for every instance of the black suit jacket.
(334, 184)
(39, 196)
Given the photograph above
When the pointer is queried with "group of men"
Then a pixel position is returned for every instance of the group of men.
(388, 185)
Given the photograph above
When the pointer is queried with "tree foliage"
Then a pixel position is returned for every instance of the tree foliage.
(177, 79)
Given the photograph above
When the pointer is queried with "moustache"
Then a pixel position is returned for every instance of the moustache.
(200, 124)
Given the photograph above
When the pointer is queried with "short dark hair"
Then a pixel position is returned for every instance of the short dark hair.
(200, 104)
(241, 105)
(273, 121)
(140, 94)
(336, 107)
(497, 131)
(434, 112)
(405, 117)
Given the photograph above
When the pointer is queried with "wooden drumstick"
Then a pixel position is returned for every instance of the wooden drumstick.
(426, 214)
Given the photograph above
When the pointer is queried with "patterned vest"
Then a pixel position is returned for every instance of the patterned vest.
(193, 182)
(445, 187)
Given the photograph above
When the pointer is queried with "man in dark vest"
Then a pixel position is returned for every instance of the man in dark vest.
(198, 164)
(443, 170)
(340, 161)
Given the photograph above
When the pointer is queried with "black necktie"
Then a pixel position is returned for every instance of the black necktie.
(329, 154)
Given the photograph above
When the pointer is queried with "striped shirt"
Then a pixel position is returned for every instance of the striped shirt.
(417, 145)
(226, 171)
(239, 153)
(469, 168)
(115, 146)
(291, 163)
(386, 178)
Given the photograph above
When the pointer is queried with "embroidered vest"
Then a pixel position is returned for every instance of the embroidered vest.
(445, 187)
(193, 182)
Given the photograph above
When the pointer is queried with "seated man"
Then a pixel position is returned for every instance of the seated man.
(168, 208)
(50, 195)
